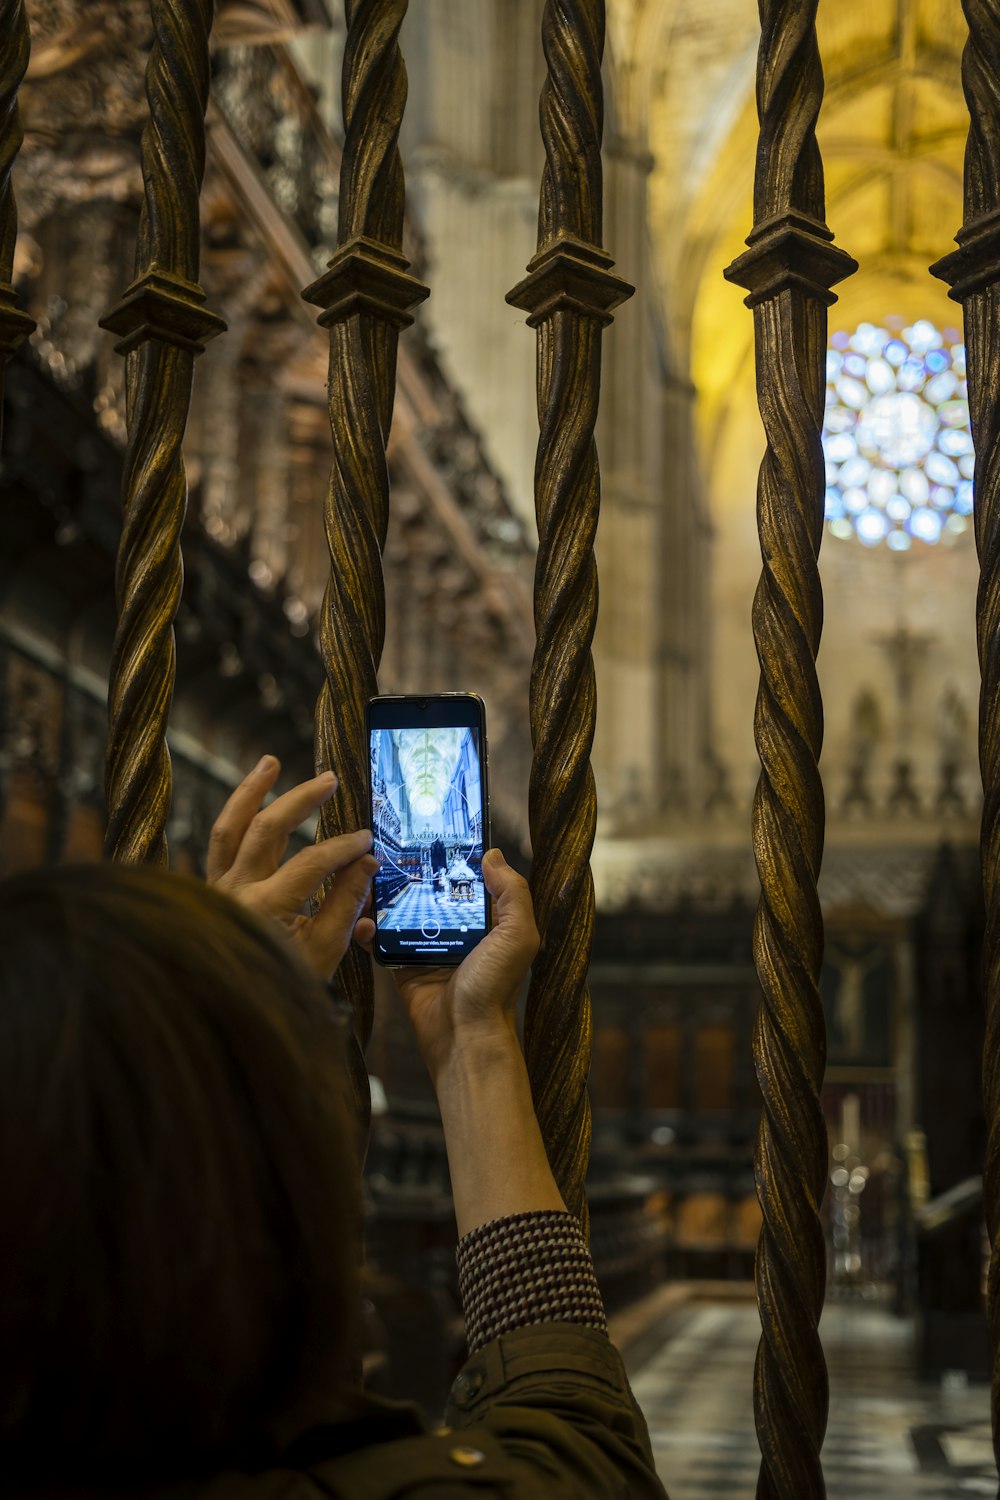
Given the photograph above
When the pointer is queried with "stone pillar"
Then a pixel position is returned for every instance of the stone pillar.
(631, 457)
(473, 153)
(220, 396)
(308, 562)
(681, 622)
(266, 427)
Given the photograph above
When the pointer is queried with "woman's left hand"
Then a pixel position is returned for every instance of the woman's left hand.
(244, 860)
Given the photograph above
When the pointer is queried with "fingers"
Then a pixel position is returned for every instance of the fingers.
(233, 821)
(301, 876)
(329, 933)
(267, 831)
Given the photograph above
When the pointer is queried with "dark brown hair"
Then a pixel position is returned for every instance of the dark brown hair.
(179, 1188)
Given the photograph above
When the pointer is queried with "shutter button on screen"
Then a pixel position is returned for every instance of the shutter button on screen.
(431, 929)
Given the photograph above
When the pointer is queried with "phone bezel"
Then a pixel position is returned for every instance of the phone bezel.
(475, 719)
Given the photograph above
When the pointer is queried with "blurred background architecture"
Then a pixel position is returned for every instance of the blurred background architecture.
(673, 984)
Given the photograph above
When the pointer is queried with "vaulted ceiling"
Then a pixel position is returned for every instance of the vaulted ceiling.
(892, 130)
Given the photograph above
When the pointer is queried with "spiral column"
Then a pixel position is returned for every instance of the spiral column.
(788, 270)
(569, 293)
(973, 274)
(367, 296)
(163, 325)
(15, 325)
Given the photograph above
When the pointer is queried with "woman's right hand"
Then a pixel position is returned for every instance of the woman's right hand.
(464, 1023)
(459, 1014)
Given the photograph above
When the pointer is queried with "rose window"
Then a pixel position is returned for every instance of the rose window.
(896, 439)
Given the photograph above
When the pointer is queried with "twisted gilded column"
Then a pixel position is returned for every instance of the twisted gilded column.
(973, 273)
(15, 325)
(788, 270)
(164, 325)
(367, 296)
(569, 293)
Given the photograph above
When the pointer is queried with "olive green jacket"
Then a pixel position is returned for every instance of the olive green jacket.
(543, 1413)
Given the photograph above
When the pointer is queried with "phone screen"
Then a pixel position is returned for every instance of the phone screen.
(428, 794)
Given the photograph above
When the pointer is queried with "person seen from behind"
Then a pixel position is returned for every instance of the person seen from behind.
(180, 1196)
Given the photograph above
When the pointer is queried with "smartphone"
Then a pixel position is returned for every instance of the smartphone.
(430, 817)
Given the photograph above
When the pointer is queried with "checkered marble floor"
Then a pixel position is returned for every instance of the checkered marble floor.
(889, 1436)
(419, 904)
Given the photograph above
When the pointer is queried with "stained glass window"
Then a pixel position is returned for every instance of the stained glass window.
(896, 438)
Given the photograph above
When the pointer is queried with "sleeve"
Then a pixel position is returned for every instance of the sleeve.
(525, 1269)
(553, 1399)
(544, 1386)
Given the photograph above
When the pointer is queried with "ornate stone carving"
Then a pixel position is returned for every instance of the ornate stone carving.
(15, 324)
(274, 118)
(95, 55)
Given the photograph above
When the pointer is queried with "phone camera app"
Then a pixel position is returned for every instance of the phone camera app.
(427, 818)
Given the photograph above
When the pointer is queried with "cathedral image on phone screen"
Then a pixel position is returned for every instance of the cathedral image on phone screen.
(427, 817)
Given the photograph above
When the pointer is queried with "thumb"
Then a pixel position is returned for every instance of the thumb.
(331, 929)
(515, 916)
(345, 901)
(364, 934)
(499, 878)
(495, 871)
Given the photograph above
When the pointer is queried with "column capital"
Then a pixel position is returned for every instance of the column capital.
(629, 148)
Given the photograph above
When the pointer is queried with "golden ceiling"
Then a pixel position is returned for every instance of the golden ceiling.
(892, 131)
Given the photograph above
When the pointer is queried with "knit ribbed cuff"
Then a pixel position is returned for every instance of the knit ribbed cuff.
(528, 1268)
